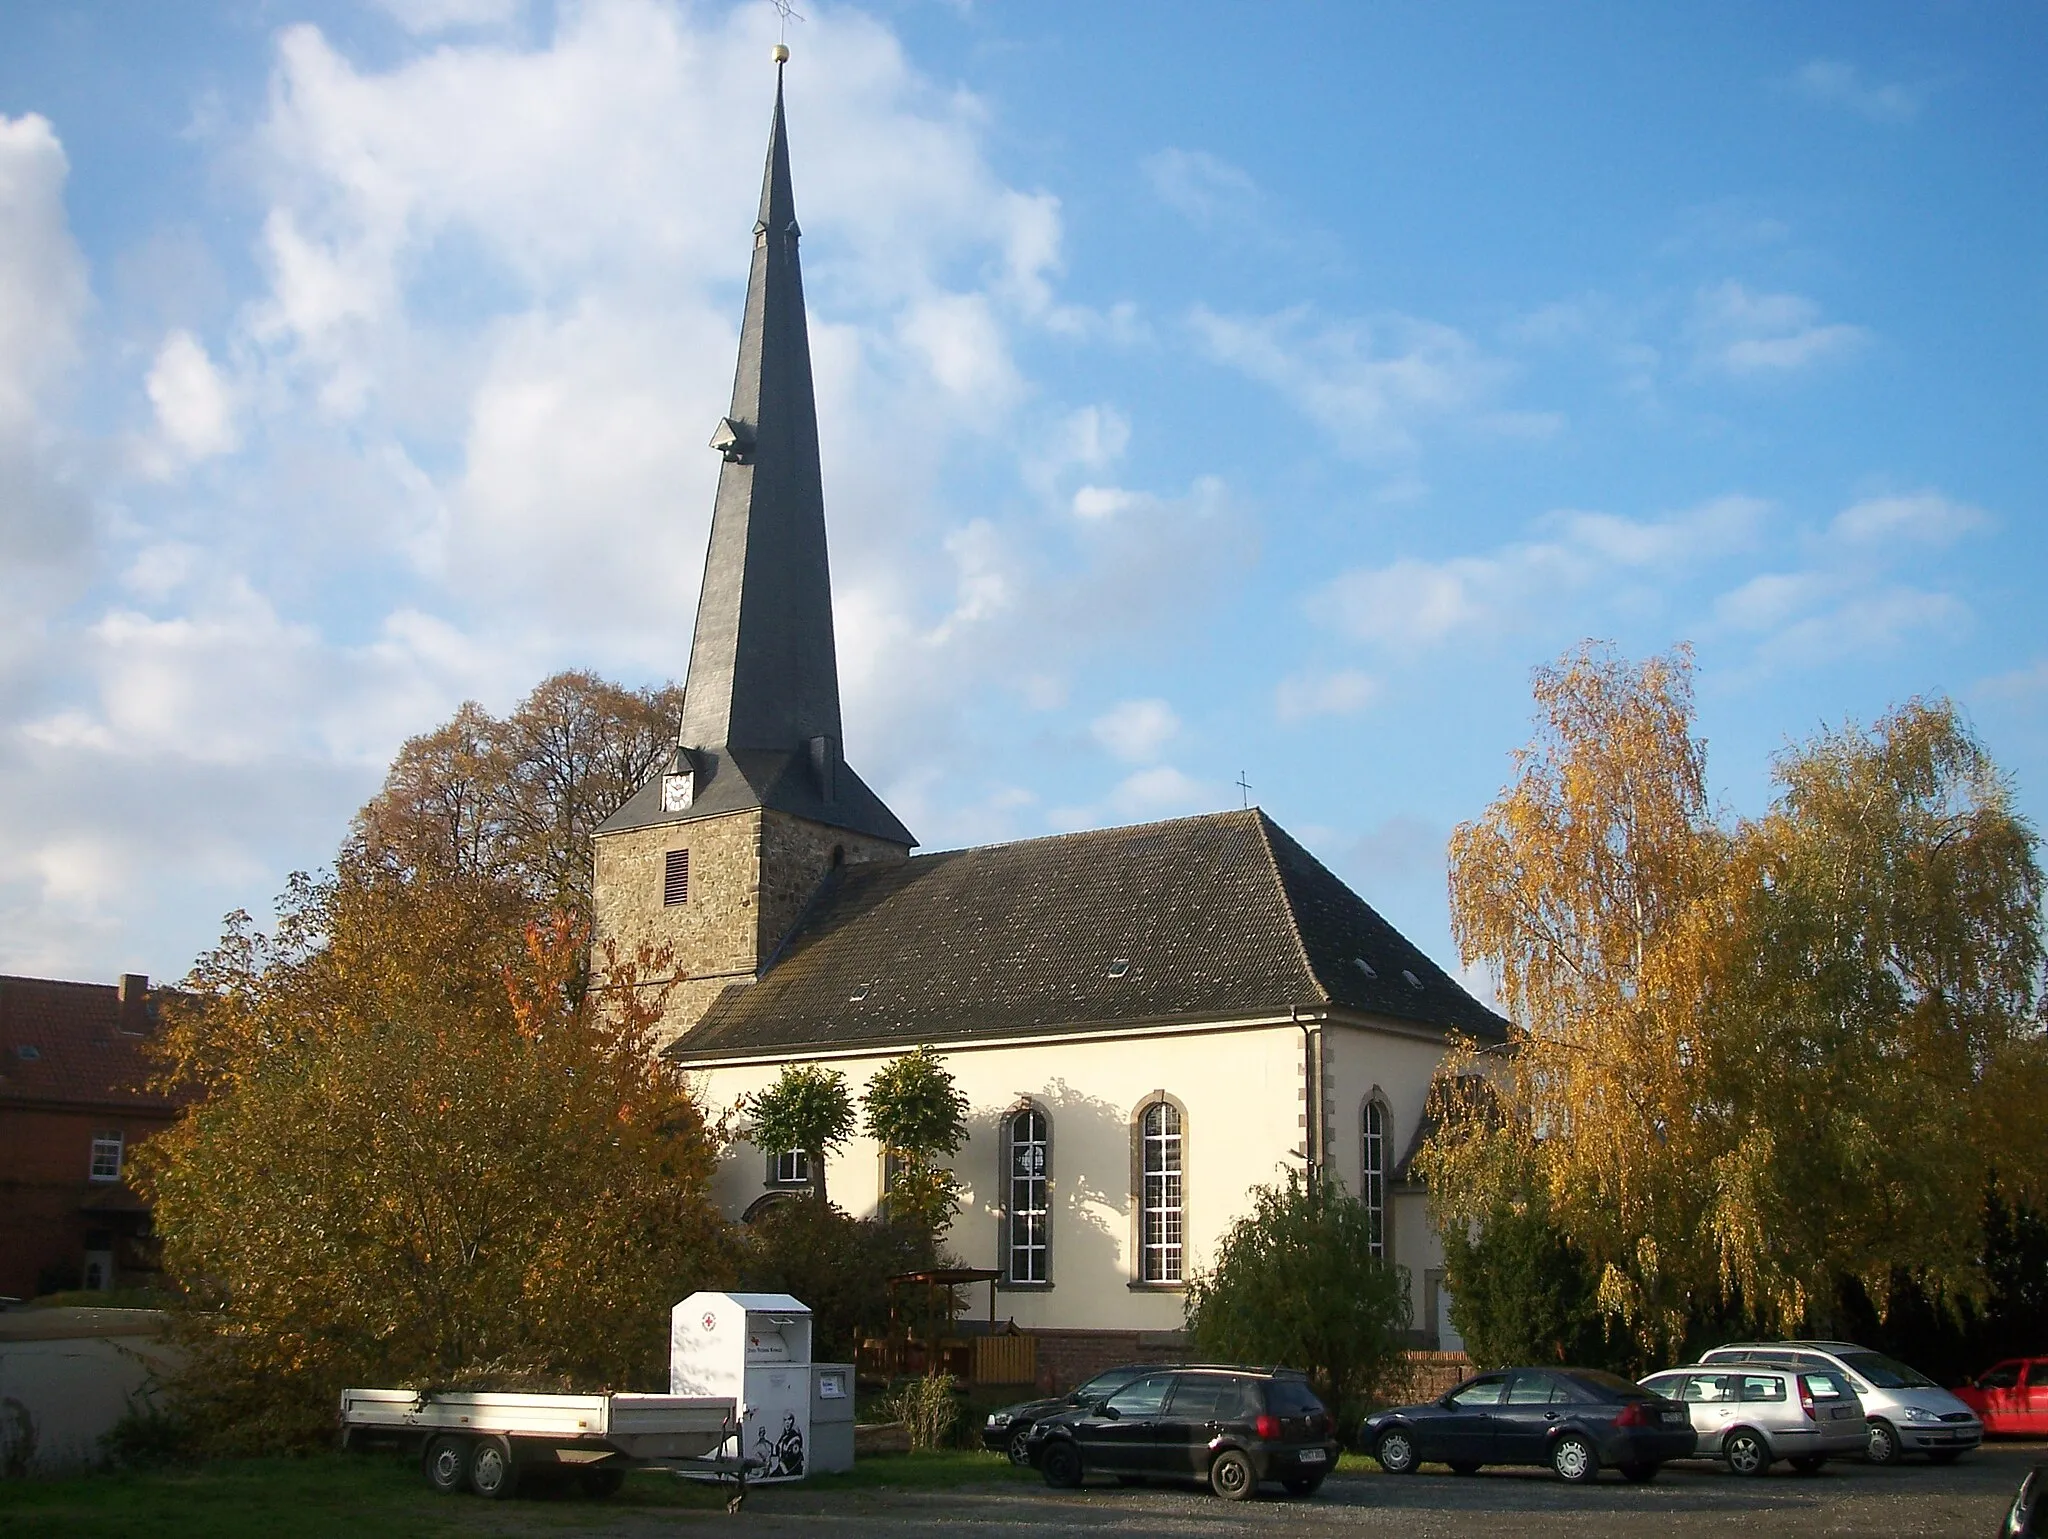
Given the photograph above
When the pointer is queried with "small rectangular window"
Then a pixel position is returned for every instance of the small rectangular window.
(675, 882)
(792, 1167)
(106, 1157)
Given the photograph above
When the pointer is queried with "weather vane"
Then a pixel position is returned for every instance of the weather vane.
(788, 13)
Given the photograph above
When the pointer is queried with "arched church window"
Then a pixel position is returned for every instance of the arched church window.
(1373, 1188)
(1027, 1239)
(1162, 1195)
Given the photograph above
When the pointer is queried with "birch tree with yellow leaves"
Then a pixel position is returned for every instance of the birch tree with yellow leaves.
(1747, 1063)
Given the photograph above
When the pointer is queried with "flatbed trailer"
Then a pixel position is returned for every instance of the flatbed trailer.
(486, 1442)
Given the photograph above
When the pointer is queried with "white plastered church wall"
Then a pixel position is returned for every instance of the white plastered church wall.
(1239, 1087)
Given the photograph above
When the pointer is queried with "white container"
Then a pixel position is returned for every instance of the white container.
(755, 1348)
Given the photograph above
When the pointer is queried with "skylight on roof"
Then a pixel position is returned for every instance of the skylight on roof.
(27, 1053)
(859, 993)
(1413, 981)
(1119, 967)
(1366, 967)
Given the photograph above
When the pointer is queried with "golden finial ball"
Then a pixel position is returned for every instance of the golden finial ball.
(782, 53)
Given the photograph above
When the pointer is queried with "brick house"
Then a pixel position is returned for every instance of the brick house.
(73, 1106)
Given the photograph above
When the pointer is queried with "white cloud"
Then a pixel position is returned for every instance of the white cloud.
(1925, 518)
(43, 298)
(193, 411)
(1740, 332)
(1136, 730)
(1200, 186)
(1372, 384)
(1342, 693)
(1411, 604)
(425, 17)
(1836, 83)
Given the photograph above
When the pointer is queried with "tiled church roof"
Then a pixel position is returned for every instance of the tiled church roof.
(1208, 917)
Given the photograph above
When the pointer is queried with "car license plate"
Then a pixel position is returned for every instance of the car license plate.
(1676, 1419)
(1841, 1413)
(1312, 1456)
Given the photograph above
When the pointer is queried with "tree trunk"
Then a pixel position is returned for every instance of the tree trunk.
(816, 1159)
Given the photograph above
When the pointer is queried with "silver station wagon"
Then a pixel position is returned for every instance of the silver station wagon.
(1754, 1416)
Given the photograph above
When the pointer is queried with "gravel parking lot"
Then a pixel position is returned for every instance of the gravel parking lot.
(1966, 1500)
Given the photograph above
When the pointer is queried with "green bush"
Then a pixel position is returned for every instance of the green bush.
(928, 1410)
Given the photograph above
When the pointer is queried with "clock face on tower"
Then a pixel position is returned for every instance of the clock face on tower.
(676, 792)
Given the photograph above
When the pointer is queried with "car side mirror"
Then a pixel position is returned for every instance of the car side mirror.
(1104, 1408)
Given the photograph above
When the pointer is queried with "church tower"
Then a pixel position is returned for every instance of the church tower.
(717, 855)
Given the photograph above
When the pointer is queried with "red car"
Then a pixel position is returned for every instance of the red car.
(2012, 1398)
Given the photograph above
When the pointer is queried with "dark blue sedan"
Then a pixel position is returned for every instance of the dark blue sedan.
(1576, 1420)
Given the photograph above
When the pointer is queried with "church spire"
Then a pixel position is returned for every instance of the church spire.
(763, 673)
(760, 725)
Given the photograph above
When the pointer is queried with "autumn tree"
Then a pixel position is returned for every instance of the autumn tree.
(919, 1117)
(1593, 889)
(1300, 1280)
(1750, 1065)
(808, 1110)
(518, 799)
(422, 1157)
(1877, 1042)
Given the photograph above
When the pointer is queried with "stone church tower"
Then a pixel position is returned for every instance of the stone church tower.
(718, 854)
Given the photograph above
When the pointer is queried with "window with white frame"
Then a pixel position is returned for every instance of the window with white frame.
(792, 1168)
(1373, 1189)
(1161, 1202)
(106, 1157)
(1030, 1212)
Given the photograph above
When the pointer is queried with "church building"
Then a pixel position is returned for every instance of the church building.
(1147, 1022)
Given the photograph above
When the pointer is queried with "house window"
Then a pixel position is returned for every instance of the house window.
(792, 1168)
(1373, 1189)
(675, 882)
(1162, 1197)
(106, 1157)
(1030, 1214)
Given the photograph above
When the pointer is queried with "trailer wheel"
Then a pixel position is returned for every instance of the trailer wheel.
(492, 1472)
(445, 1463)
(600, 1483)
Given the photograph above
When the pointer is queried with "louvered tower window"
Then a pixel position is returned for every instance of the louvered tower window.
(675, 882)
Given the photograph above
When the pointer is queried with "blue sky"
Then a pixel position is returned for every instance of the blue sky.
(1207, 390)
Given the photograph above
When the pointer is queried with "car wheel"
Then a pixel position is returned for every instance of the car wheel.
(1396, 1451)
(1806, 1464)
(1019, 1446)
(492, 1474)
(1883, 1445)
(1641, 1474)
(1464, 1467)
(446, 1464)
(1303, 1485)
(1574, 1459)
(1060, 1464)
(1232, 1476)
(1946, 1455)
(1746, 1452)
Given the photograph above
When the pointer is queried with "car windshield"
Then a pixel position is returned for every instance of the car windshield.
(1291, 1397)
(1104, 1384)
(1887, 1372)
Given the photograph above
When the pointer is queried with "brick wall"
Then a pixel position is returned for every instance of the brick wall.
(1065, 1358)
(45, 1162)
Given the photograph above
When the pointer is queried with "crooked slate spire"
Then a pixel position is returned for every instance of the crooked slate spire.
(760, 723)
(763, 672)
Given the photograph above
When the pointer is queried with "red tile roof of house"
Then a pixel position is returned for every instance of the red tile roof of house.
(78, 1043)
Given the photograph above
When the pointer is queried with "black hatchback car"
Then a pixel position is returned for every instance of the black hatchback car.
(1576, 1420)
(1231, 1427)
